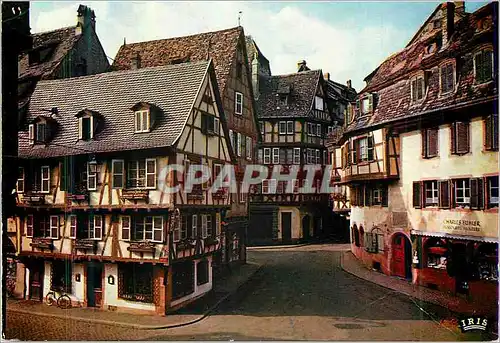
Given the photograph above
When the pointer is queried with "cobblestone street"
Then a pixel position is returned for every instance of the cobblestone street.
(300, 293)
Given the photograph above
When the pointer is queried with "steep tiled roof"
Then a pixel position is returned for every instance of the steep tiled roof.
(220, 46)
(302, 87)
(61, 41)
(391, 85)
(170, 89)
(338, 91)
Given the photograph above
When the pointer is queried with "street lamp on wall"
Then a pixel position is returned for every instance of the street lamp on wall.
(111, 279)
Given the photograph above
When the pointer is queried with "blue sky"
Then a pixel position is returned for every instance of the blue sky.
(347, 39)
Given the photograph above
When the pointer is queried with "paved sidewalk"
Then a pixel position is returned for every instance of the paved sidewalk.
(224, 288)
(455, 304)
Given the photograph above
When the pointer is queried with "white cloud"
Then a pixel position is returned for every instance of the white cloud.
(285, 37)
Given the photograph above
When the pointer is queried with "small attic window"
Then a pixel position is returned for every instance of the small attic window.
(88, 124)
(142, 121)
(283, 99)
(40, 130)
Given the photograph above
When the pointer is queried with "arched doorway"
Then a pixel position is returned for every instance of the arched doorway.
(401, 256)
(306, 224)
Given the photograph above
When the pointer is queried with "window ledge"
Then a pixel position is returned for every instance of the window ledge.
(482, 84)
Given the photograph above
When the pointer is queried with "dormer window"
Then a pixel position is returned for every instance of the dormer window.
(88, 124)
(142, 121)
(483, 66)
(417, 86)
(365, 105)
(283, 99)
(318, 103)
(41, 129)
(447, 77)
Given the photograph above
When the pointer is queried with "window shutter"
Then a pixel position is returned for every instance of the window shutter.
(385, 196)
(444, 194)
(31, 133)
(462, 137)
(352, 197)
(494, 118)
(417, 191)
(231, 137)
(476, 193)
(424, 142)
(432, 142)
(414, 89)
(478, 63)
(72, 226)
(487, 65)
(488, 132)
(237, 143)
(354, 152)
(453, 132)
(342, 157)
(29, 225)
(370, 102)
(357, 107)
(54, 227)
(370, 148)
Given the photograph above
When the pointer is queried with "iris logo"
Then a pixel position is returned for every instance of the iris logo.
(473, 323)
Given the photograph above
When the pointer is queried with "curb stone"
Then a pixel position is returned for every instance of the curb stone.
(144, 327)
(266, 247)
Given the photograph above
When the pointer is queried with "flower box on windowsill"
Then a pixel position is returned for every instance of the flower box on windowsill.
(42, 243)
(185, 244)
(85, 244)
(211, 241)
(145, 246)
(220, 194)
(135, 194)
(34, 198)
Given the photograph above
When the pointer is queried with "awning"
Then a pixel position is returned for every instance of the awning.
(447, 235)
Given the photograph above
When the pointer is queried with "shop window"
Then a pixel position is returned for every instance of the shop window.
(436, 252)
(355, 234)
(462, 192)
(202, 272)
(492, 184)
(135, 282)
(60, 278)
(183, 279)
(487, 261)
(361, 236)
(375, 241)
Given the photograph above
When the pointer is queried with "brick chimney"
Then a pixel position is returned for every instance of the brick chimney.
(349, 83)
(255, 76)
(302, 66)
(448, 21)
(327, 76)
(135, 62)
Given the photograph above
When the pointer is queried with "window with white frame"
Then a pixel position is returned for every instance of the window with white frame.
(54, 227)
(249, 148)
(492, 191)
(20, 180)
(73, 226)
(289, 128)
(365, 105)
(148, 228)
(45, 177)
(462, 192)
(184, 227)
(276, 155)
(92, 176)
(296, 155)
(142, 121)
(318, 103)
(204, 225)
(95, 227)
(318, 157)
(216, 125)
(237, 143)
(209, 225)
(318, 130)
(267, 155)
(431, 193)
(86, 127)
(376, 196)
(282, 127)
(238, 103)
(126, 227)
(242, 195)
(142, 174)
(194, 226)
(118, 171)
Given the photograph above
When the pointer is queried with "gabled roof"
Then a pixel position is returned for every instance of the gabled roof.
(60, 42)
(302, 89)
(252, 50)
(112, 95)
(220, 46)
(338, 91)
(391, 85)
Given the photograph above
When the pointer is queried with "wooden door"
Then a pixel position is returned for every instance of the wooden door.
(286, 226)
(36, 282)
(94, 285)
(398, 256)
(305, 227)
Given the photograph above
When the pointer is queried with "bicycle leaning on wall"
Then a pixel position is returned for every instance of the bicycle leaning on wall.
(58, 298)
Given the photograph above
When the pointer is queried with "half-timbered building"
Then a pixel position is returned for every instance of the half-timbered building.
(227, 49)
(420, 156)
(294, 121)
(99, 221)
